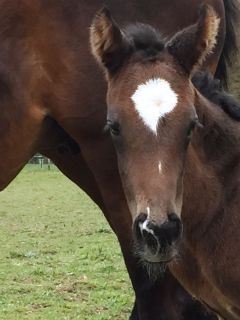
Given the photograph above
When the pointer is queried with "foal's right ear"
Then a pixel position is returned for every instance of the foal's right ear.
(108, 43)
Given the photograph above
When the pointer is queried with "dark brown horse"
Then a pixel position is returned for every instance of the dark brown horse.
(53, 101)
(178, 154)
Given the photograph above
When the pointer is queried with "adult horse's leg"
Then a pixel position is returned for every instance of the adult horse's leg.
(66, 154)
(57, 145)
(19, 132)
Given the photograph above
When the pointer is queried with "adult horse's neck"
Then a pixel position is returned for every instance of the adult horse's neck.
(212, 163)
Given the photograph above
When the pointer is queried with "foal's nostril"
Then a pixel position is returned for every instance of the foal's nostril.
(173, 217)
(177, 224)
(140, 219)
(170, 231)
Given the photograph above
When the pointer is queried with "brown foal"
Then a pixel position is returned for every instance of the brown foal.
(178, 155)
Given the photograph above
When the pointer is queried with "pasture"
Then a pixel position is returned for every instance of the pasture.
(58, 257)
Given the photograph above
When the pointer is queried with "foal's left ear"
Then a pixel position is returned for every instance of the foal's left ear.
(108, 43)
(191, 45)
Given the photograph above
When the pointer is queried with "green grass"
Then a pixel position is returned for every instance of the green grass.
(58, 257)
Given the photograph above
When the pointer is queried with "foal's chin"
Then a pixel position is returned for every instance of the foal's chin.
(155, 264)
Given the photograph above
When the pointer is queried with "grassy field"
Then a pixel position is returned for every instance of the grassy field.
(58, 257)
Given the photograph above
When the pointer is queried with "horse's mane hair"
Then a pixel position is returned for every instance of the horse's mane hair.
(144, 39)
(212, 89)
(230, 49)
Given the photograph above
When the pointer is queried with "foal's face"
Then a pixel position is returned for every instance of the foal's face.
(151, 116)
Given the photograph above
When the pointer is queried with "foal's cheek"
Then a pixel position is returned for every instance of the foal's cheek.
(127, 183)
(119, 146)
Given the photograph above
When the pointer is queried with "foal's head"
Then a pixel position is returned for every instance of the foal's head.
(151, 116)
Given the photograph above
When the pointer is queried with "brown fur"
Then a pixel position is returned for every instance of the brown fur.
(51, 92)
(204, 41)
(104, 34)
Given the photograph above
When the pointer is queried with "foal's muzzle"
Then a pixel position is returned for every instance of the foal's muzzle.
(157, 242)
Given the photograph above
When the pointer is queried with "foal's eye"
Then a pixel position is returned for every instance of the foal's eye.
(114, 127)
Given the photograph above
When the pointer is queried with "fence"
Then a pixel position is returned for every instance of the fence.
(39, 159)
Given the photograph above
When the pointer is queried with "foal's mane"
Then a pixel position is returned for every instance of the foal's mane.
(212, 89)
(230, 48)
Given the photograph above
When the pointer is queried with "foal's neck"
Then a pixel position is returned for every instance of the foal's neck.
(212, 164)
(218, 141)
